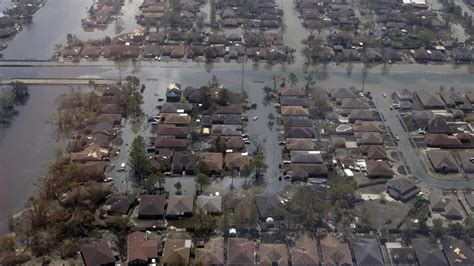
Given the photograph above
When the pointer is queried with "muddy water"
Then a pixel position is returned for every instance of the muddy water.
(55, 20)
(26, 147)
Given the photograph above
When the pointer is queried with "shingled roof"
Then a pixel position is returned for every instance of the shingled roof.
(334, 251)
(273, 254)
(151, 206)
(98, 253)
(241, 251)
(212, 253)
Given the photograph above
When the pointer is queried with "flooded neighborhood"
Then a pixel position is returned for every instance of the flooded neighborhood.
(236, 132)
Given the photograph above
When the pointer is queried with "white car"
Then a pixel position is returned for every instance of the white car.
(122, 167)
(255, 118)
(397, 137)
(286, 162)
(108, 179)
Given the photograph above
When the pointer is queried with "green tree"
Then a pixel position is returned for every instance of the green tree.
(134, 105)
(456, 229)
(202, 180)
(258, 163)
(293, 79)
(224, 97)
(21, 92)
(133, 81)
(437, 229)
(426, 36)
(246, 170)
(7, 243)
(178, 187)
(138, 160)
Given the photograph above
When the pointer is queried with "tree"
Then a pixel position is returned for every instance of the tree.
(134, 105)
(223, 97)
(7, 243)
(259, 164)
(426, 36)
(153, 178)
(456, 229)
(246, 170)
(202, 180)
(178, 187)
(138, 160)
(20, 90)
(293, 79)
(133, 81)
(437, 229)
(204, 225)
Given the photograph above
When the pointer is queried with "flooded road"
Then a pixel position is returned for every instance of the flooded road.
(26, 147)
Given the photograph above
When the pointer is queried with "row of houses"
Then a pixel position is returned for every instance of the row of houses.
(299, 136)
(100, 13)
(262, 14)
(92, 147)
(320, 14)
(360, 131)
(221, 129)
(440, 124)
(303, 248)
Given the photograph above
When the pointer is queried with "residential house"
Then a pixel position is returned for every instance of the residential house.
(438, 125)
(209, 205)
(341, 94)
(240, 251)
(294, 101)
(360, 115)
(442, 141)
(448, 205)
(213, 162)
(293, 144)
(294, 111)
(173, 93)
(374, 152)
(431, 101)
(99, 253)
(235, 161)
(353, 103)
(176, 108)
(172, 130)
(309, 157)
(290, 121)
(231, 142)
(405, 95)
(369, 138)
(226, 130)
(184, 162)
(300, 132)
(367, 126)
(273, 254)
(140, 249)
(171, 142)
(212, 253)
(176, 252)
(292, 91)
(401, 255)
(367, 252)
(119, 204)
(421, 119)
(427, 252)
(179, 205)
(335, 251)
(442, 161)
(458, 252)
(152, 206)
(303, 171)
(268, 206)
(304, 252)
(378, 169)
(402, 189)
(467, 160)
